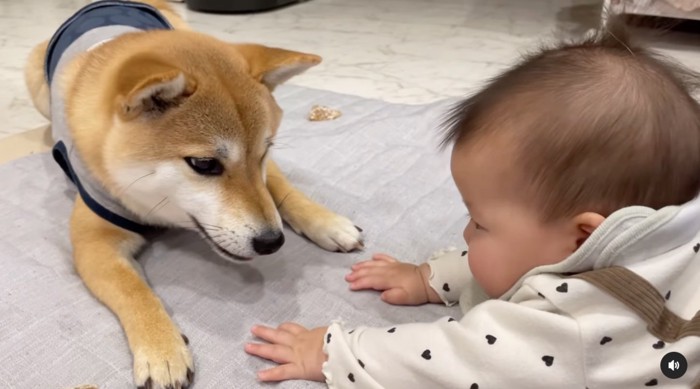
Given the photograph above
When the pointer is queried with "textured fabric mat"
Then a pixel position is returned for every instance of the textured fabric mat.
(377, 164)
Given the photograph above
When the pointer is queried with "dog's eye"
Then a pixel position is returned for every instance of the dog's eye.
(205, 166)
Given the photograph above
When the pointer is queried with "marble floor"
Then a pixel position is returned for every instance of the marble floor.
(408, 51)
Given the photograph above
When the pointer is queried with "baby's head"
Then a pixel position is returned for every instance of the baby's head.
(550, 148)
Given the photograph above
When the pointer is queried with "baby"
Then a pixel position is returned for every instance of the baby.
(580, 168)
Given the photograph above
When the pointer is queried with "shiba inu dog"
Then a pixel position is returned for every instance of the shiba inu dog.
(161, 126)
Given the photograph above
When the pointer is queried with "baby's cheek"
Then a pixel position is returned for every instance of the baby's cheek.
(482, 272)
(467, 232)
(490, 272)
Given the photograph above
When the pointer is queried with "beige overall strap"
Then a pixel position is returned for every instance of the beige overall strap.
(641, 297)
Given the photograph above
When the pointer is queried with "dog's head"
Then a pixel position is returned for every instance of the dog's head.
(192, 129)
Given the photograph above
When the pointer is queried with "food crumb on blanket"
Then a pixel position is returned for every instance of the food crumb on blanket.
(321, 113)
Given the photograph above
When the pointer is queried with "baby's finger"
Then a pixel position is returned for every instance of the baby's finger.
(383, 257)
(360, 265)
(292, 328)
(273, 352)
(288, 371)
(364, 272)
(272, 335)
(376, 282)
(370, 263)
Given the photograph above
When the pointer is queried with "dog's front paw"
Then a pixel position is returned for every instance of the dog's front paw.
(331, 231)
(163, 361)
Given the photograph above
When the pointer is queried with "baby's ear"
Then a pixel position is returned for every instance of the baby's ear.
(586, 223)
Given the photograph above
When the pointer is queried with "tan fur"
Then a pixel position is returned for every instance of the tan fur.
(221, 107)
(34, 78)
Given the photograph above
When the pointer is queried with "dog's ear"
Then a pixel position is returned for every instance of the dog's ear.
(272, 66)
(148, 87)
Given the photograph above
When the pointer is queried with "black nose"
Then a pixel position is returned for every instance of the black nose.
(268, 242)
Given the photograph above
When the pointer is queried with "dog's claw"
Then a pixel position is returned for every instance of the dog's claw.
(359, 229)
(187, 341)
(147, 385)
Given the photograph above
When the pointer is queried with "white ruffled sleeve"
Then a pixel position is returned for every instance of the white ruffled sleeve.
(497, 344)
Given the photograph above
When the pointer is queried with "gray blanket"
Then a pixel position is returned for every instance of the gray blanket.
(377, 164)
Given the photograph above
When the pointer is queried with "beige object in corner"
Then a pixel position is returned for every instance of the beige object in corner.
(20, 145)
(685, 5)
(679, 9)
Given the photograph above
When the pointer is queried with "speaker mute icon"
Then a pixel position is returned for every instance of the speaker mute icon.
(674, 365)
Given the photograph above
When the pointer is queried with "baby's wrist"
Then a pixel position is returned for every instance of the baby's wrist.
(430, 294)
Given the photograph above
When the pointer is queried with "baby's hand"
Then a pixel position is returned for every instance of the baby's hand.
(401, 283)
(298, 351)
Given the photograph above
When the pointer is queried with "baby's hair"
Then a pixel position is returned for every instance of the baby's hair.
(595, 125)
